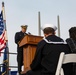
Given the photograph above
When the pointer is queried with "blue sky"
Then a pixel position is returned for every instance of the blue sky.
(20, 12)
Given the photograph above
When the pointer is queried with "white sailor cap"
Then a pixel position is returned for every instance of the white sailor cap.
(49, 25)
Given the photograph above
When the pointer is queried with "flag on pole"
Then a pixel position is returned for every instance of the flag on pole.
(5, 61)
(2, 33)
(6, 54)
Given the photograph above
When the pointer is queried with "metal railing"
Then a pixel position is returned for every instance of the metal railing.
(1, 65)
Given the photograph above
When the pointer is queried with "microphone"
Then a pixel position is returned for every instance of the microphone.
(29, 33)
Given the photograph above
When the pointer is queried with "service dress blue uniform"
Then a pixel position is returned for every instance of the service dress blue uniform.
(18, 38)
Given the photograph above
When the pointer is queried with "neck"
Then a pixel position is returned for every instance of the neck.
(22, 32)
(48, 35)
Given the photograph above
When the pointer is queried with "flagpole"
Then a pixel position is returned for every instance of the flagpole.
(39, 24)
(6, 39)
(58, 25)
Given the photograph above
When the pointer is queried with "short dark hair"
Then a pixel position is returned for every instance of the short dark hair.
(49, 30)
(72, 33)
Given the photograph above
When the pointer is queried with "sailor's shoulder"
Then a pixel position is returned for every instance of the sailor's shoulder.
(42, 42)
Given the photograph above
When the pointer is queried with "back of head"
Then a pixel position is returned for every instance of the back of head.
(72, 33)
(49, 29)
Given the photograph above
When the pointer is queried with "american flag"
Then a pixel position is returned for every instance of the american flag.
(2, 33)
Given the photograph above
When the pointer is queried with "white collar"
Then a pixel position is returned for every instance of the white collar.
(51, 42)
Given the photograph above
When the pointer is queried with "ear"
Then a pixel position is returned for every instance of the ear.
(54, 33)
(44, 34)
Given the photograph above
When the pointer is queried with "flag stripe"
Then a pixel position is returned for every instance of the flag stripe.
(2, 33)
